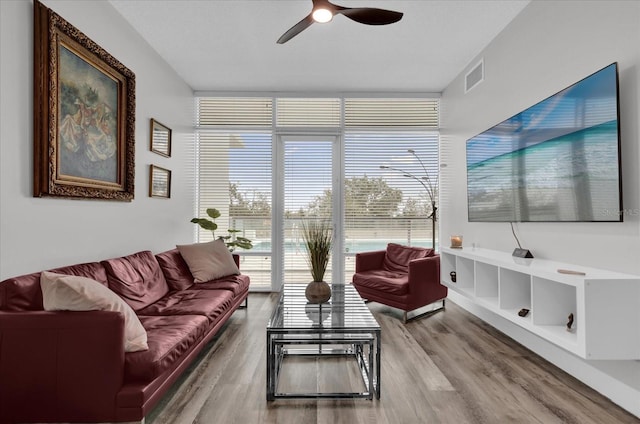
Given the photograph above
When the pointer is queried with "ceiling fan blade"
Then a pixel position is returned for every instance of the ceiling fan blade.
(363, 15)
(296, 29)
(370, 15)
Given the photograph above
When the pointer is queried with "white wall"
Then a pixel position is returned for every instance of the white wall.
(40, 233)
(548, 47)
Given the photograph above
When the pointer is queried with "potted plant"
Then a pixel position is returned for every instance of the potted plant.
(317, 239)
(231, 240)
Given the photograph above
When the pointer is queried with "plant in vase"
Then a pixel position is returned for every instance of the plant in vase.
(231, 240)
(317, 238)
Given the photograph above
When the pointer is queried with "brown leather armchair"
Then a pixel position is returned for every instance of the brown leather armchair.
(402, 277)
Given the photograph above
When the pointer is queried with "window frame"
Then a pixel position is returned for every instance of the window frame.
(338, 163)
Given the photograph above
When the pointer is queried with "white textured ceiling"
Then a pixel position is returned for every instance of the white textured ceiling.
(230, 45)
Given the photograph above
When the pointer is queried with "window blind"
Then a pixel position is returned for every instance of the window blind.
(234, 111)
(234, 175)
(305, 112)
(400, 113)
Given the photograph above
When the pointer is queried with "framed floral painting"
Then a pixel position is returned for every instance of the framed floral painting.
(84, 115)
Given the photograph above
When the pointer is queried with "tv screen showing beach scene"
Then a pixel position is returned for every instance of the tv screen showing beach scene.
(557, 161)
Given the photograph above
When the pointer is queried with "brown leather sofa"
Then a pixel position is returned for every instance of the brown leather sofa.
(402, 277)
(68, 366)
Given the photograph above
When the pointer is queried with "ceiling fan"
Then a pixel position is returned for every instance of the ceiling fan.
(323, 11)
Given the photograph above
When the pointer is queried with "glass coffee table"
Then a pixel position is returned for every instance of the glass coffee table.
(343, 326)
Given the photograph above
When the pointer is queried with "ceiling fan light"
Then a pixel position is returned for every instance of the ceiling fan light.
(322, 16)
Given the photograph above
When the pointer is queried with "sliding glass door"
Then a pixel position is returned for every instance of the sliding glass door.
(306, 182)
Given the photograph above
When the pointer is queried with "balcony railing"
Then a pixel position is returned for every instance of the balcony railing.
(361, 234)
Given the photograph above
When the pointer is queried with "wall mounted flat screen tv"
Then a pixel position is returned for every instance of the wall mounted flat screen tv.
(557, 161)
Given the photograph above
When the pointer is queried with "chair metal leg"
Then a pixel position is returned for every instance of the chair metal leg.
(405, 314)
(424, 314)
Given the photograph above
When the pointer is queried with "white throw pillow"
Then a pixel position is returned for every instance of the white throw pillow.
(72, 293)
(208, 261)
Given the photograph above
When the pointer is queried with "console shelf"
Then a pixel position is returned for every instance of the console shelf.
(605, 304)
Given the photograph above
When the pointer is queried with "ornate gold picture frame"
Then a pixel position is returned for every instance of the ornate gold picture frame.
(84, 115)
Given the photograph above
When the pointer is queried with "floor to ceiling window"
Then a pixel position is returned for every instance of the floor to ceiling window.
(369, 165)
(234, 175)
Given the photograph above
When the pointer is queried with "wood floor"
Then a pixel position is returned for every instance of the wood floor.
(446, 368)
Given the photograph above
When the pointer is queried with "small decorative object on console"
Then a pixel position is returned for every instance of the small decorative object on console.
(523, 312)
(571, 272)
(456, 242)
(570, 322)
(453, 276)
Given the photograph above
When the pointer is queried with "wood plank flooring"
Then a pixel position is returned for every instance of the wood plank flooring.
(449, 367)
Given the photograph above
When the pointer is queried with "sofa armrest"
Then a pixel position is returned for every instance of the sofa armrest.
(60, 366)
(366, 261)
(424, 279)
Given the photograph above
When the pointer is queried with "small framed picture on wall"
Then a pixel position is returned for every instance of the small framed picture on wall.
(160, 139)
(159, 182)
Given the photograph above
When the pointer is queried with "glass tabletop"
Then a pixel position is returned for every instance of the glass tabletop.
(345, 311)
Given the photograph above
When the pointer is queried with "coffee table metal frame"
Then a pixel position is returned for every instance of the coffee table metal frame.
(347, 328)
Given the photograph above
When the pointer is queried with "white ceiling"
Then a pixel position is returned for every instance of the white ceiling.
(230, 45)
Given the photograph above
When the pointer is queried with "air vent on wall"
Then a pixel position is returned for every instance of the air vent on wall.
(474, 77)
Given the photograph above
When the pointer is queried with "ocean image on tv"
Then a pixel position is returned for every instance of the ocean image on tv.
(556, 161)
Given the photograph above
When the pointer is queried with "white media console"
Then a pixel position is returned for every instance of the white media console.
(605, 304)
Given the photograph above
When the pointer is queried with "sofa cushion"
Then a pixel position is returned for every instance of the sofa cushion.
(210, 303)
(169, 338)
(175, 269)
(136, 278)
(208, 261)
(72, 293)
(23, 293)
(398, 256)
(383, 281)
(238, 284)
